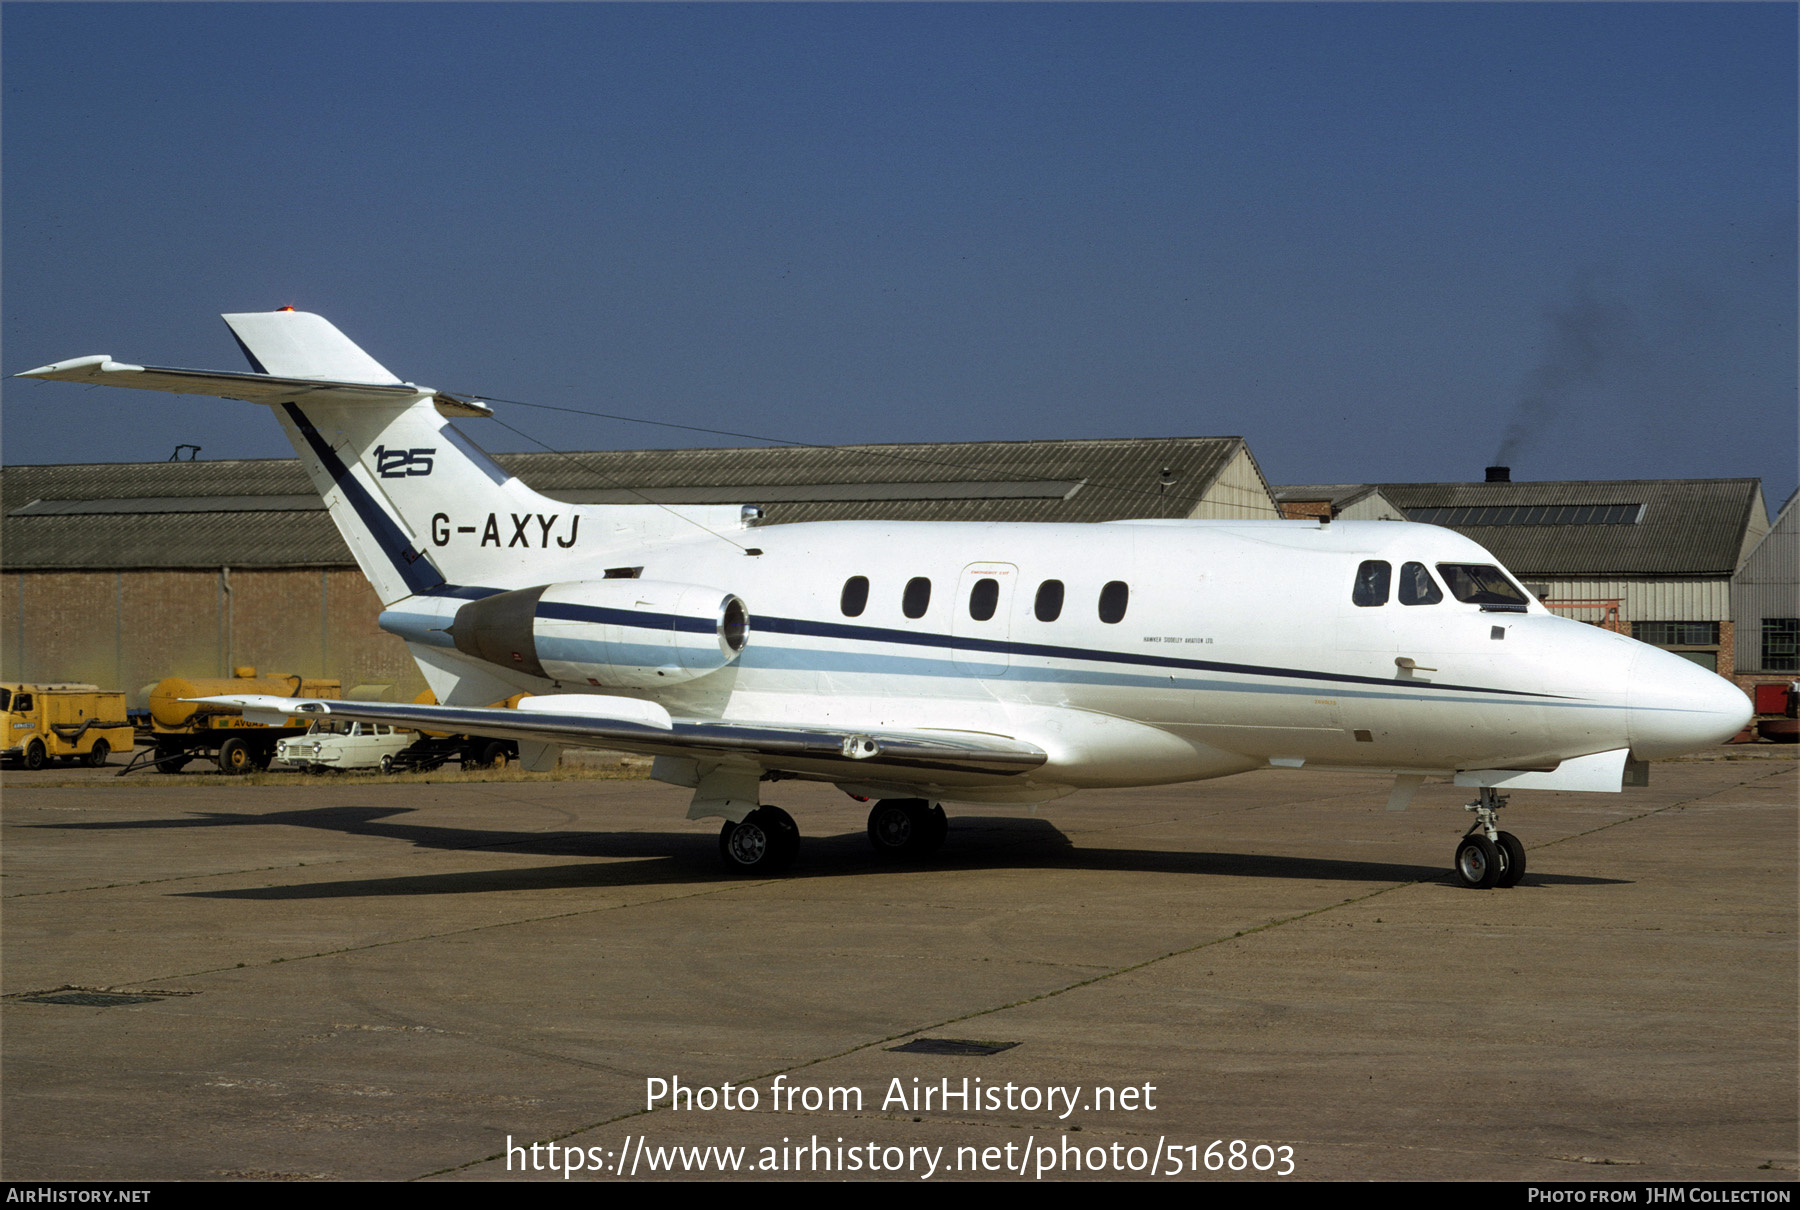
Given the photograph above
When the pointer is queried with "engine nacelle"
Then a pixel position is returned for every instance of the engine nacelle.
(638, 633)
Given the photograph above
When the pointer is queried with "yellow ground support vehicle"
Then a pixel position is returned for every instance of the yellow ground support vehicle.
(182, 729)
(62, 722)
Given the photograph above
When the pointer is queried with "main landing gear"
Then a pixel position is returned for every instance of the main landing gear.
(1488, 857)
(765, 842)
(906, 829)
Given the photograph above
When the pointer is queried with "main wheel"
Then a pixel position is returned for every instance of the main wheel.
(234, 756)
(34, 754)
(906, 828)
(764, 842)
(1478, 862)
(1512, 858)
(98, 753)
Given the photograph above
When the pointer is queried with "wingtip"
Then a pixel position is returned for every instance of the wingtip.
(62, 367)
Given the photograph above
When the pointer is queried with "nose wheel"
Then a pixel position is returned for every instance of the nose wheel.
(1488, 857)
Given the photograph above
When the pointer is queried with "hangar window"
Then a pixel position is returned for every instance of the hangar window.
(1696, 641)
(1780, 645)
(1533, 514)
(1417, 587)
(1113, 599)
(1676, 634)
(1481, 584)
(1371, 583)
(1048, 606)
(917, 597)
(983, 598)
(855, 597)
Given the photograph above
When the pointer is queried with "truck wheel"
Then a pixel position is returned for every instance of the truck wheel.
(171, 760)
(491, 755)
(34, 754)
(98, 753)
(234, 756)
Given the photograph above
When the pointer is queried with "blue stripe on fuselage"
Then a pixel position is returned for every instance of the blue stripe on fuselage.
(802, 627)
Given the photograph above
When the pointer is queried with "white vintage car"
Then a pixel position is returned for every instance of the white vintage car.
(335, 744)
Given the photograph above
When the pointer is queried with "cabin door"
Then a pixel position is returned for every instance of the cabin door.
(981, 618)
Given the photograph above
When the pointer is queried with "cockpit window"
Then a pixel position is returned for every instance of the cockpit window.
(1371, 583)
(1481, 584)
(1417, 587)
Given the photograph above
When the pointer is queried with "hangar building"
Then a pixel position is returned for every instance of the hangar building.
(1652, 558)
(122, 574)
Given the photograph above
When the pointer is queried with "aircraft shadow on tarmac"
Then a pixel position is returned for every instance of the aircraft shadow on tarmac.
(653, 858)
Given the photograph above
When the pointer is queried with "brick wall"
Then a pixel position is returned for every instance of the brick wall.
(128, 629)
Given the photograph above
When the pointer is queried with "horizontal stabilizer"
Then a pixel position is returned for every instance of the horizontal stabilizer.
(102, 370)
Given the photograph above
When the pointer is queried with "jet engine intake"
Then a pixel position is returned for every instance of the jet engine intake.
(629, 633)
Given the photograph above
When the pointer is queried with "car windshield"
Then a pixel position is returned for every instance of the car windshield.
(1480, 584)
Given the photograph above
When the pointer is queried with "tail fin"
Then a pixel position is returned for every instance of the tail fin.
(422, 508)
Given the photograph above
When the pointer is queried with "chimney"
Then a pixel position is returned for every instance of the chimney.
(1499, 474)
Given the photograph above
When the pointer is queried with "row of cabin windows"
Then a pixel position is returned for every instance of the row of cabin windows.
(984, 599)
(1471, 583)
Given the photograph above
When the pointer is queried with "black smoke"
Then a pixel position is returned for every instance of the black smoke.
(1591, 338)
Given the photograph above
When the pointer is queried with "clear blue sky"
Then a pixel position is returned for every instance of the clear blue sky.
(1369, 238)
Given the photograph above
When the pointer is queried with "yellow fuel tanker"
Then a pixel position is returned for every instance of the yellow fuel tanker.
(184, 729)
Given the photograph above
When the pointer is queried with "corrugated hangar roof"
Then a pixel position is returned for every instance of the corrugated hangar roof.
(1568, 528)
(263, 513)
(1341, 495)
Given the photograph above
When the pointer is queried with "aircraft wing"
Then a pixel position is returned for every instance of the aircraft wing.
(102, 370)
(631, 725)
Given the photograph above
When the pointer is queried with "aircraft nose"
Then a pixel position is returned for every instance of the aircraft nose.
(1677, 706)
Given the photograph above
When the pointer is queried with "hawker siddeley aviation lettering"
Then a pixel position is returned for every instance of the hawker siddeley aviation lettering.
(923, 663)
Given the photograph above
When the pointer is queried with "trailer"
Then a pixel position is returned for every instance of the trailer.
(180, 730)
(66, 722)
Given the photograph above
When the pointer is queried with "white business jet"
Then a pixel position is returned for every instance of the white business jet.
(923, 663)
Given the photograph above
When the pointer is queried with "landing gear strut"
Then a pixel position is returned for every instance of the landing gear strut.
(1488, 857)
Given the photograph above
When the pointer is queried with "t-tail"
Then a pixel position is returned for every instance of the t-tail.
(423, 509)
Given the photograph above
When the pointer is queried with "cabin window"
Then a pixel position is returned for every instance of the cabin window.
(1371, 583)
(1048, 606)
(22, 704)
(917, 597)
(983, 599)
(1481, 584)
(855, 597)
(1113, 599)
(1417, 587)
(5, 699)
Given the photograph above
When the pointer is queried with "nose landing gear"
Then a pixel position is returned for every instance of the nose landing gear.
(1488, 857)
